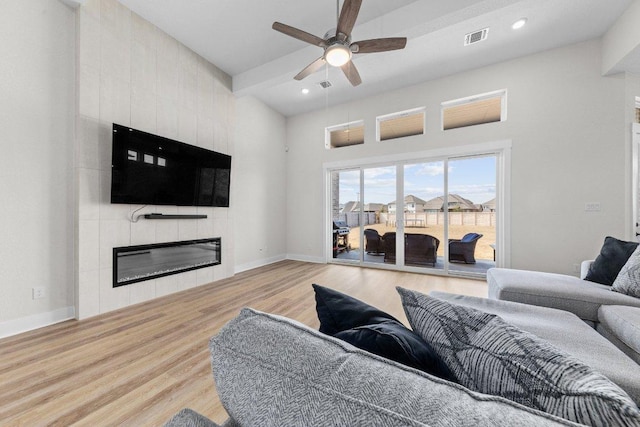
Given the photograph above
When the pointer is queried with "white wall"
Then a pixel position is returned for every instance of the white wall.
(37, 104)
(259, 191)
(568, 130)
(132, 73)
(621, 43)
(632, 91)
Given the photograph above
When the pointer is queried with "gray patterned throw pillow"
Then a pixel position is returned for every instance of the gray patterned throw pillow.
(488, 355)
(628, 279)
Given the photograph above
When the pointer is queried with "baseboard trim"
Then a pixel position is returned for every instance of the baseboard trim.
(258, 263)
(29, 323)
(306, 258)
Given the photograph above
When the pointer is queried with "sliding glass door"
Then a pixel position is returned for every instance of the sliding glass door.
(471, 207)
(360, 227)
(423, 221)
(437, 215)
(345, 215)
(379, 232)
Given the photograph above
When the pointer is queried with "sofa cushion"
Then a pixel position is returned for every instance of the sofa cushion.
(492, 356)
(189, 418)
(559, 291)
(613, 255)
(368, 328)
(621, 324)
(273, 371)
(371, 329)
(628, 280)
(567, 332)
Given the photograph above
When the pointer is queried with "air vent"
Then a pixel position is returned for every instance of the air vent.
(476, 36)
(325, 84)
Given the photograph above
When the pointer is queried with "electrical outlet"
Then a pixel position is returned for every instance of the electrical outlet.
(592, 207)
(38, 292)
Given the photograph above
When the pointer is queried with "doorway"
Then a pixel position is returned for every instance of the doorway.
(437, 215)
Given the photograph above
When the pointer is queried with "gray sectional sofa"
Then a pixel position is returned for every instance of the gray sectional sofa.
(544, 349)
(614, 315)
(273, 371)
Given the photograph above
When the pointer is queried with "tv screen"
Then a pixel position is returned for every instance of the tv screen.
(147, 169)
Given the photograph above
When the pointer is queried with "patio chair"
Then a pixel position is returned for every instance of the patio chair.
(389, 245)
(374, 244)
(420, 249)
(463, 250)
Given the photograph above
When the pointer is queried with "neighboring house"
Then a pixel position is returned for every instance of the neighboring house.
(455, 202)
(435, 204)
(355, 207)
(373, 207)
(412, 204)
(489, 206)
(349, 207)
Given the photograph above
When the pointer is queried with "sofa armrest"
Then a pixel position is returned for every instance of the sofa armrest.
(584, 268)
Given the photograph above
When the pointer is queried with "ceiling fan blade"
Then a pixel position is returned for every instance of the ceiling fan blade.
(351, 72)
(311, 68)
(298, 34)
(348, 16)
(379, 45)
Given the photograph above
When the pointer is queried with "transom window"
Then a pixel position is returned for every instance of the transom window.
(475, 110)
(345, 135)
(401, 124)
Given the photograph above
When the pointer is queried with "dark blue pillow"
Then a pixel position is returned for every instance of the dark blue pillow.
(613, 256)
(375, 331)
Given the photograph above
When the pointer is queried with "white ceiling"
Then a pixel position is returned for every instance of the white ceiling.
(236, 35)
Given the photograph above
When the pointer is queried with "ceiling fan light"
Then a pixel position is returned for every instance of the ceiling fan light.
(337, 55)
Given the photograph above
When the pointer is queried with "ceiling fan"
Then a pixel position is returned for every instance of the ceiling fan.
(337, 44)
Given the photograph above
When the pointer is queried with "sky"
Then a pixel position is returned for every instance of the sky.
(472, 178)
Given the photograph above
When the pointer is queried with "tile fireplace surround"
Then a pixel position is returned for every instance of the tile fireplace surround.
(165, 89)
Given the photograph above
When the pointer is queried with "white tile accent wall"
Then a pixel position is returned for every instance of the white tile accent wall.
(132, 73)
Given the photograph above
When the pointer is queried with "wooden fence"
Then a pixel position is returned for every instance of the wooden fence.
(423, 219)
(353, 218)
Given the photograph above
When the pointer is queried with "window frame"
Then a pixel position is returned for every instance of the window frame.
(500, 148)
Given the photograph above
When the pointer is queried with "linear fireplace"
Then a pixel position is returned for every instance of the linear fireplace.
(133, 264)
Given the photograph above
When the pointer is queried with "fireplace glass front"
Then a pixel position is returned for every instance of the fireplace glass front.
(133, 264)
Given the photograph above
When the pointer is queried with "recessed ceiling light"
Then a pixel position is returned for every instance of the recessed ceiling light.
(519, 23)
(305, 91)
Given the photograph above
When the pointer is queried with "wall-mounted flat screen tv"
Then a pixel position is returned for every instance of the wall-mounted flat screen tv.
(151, 170)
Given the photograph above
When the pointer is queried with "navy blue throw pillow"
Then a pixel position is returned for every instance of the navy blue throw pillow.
(613, 256)
(375, 331)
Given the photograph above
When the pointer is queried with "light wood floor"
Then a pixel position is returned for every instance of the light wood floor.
(140, 365)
